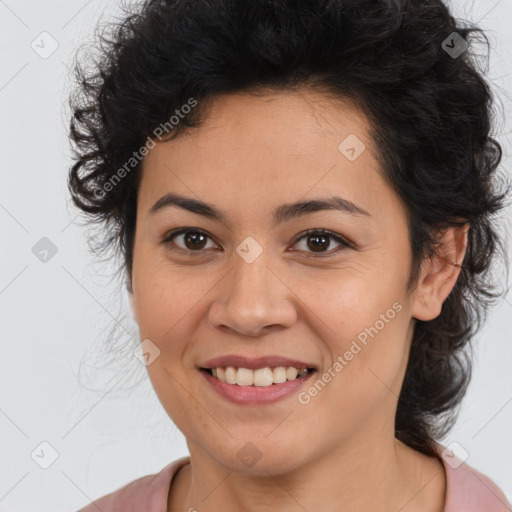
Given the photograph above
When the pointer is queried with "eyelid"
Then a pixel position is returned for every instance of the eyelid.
(341, 240)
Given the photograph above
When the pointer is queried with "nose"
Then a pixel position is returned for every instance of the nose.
(253, 299)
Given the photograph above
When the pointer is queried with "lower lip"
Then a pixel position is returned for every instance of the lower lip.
(255, 394)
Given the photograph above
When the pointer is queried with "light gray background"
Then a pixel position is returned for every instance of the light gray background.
(57, 313)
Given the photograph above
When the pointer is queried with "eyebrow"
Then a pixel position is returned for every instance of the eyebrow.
(281, 213)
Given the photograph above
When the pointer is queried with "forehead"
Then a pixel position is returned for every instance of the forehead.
(297, 121)
(253, 149)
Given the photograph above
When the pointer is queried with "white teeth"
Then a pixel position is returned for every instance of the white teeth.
(291, 373)
(261, 377)
(245, 377)
(231, 375)
(279, 374)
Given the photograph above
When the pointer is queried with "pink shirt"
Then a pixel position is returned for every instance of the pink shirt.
(467, 490)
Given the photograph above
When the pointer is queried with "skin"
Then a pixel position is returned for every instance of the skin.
(337, 452)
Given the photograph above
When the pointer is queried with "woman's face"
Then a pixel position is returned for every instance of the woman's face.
(255, 284)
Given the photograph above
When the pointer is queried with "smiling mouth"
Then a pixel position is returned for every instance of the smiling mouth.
(260, 377)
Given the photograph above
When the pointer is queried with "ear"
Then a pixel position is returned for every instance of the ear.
(439, 273)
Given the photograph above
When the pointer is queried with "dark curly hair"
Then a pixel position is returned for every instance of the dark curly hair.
(431, 113)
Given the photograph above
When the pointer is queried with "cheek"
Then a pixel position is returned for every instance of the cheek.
(354, 304)
(167, 296)
(169, 310)
(365, 332)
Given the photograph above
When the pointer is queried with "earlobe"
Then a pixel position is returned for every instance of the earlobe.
(439, 273)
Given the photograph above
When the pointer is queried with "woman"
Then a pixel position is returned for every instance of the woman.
(302, 194)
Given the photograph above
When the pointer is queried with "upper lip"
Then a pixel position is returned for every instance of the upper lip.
(254, 363)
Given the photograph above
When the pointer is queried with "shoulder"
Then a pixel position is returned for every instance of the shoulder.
(148, 493)
(468, 490)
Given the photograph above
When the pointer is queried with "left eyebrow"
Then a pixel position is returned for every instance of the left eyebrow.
(298, 209)
(281, 213)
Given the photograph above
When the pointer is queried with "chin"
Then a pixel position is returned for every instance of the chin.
(260, 458)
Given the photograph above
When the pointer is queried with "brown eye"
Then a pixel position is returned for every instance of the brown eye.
(318, 241)
(194, 240)
(191, 240)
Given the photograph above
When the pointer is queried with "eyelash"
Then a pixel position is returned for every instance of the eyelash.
(345, 244)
